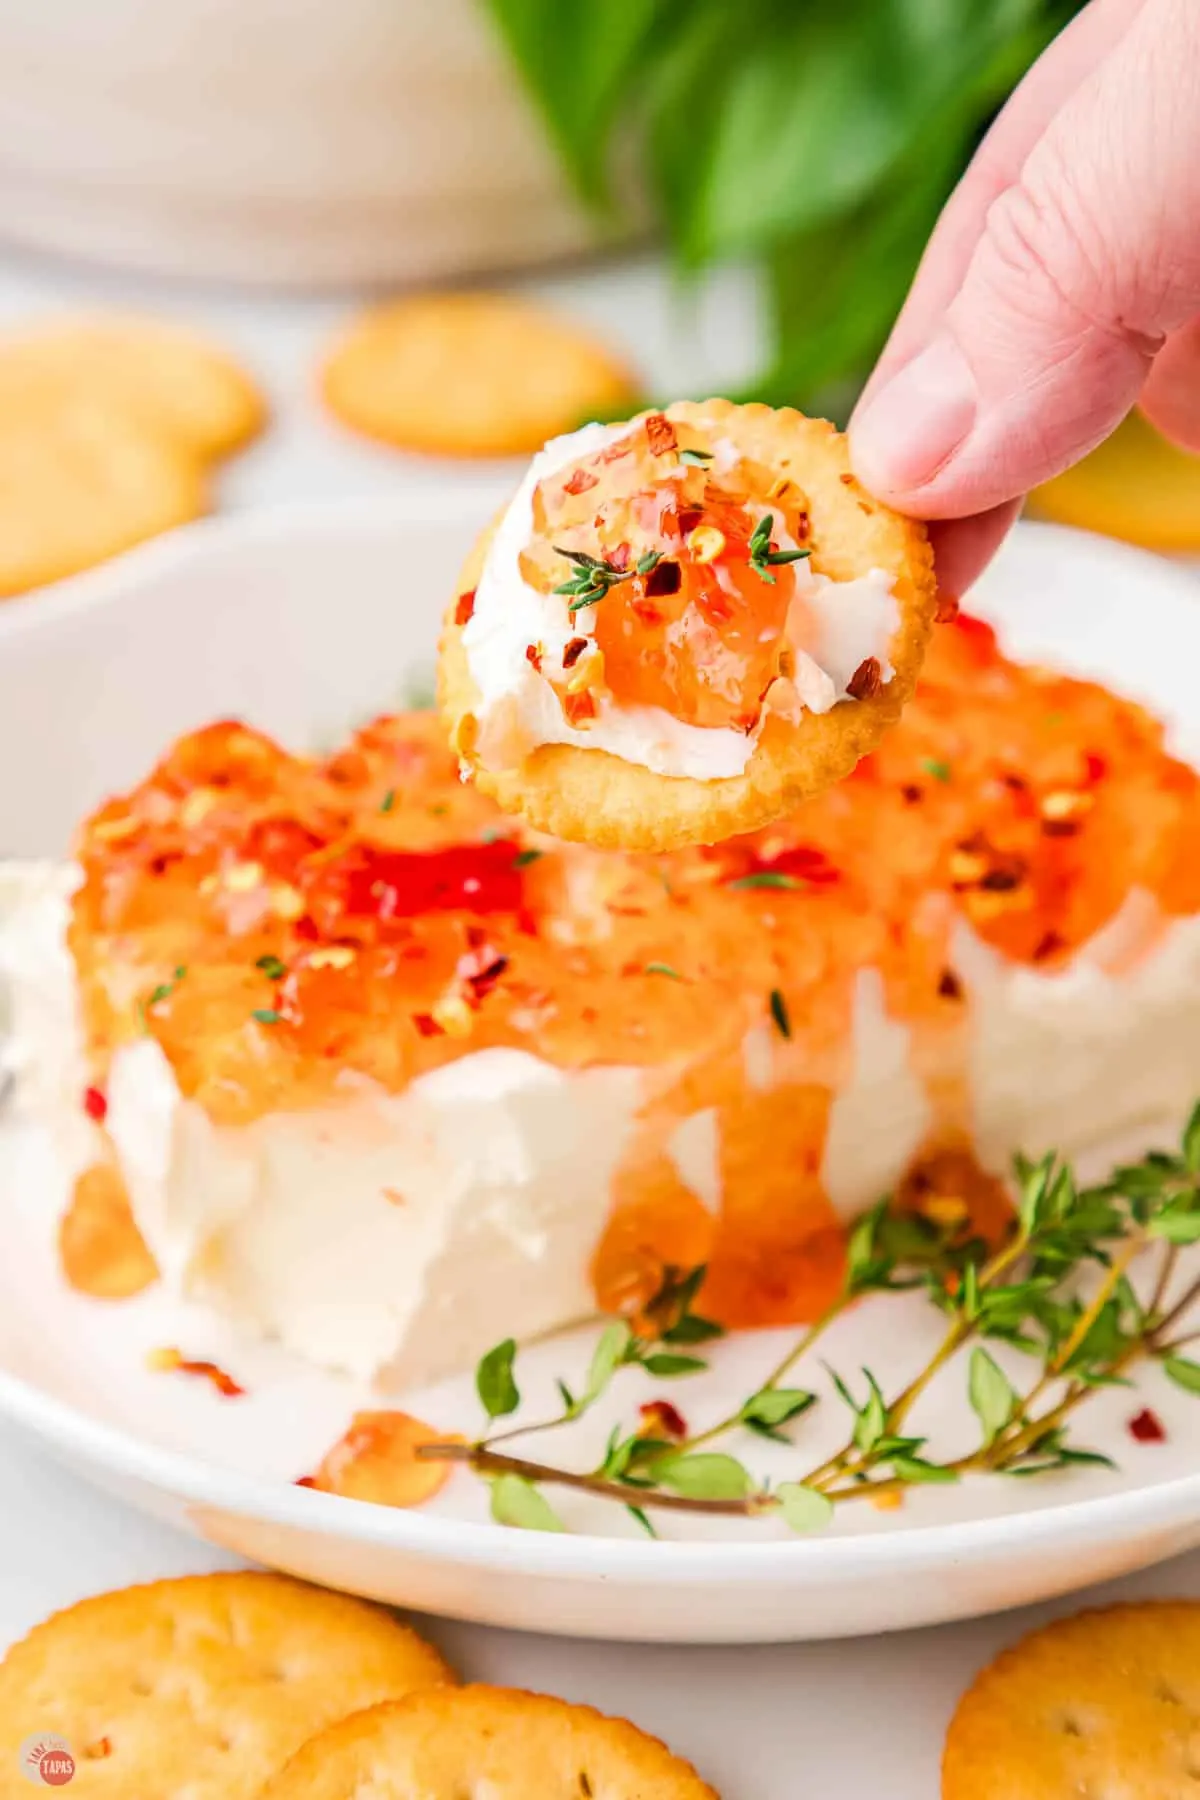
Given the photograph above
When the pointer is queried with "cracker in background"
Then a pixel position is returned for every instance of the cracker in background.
(471, 374)
(1105, 1704)
(168, 379)
(203, 1686)
(80, 483)
(486, 1741)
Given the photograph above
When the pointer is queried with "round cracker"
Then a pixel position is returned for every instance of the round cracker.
(508, 1745)
(170, 380)
(203, 1686)
(1103, 1703)
(593, 797)
(471, 374)
(81, 485)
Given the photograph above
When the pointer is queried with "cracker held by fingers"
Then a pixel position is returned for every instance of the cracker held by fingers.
(486, 1741)
(682, 627)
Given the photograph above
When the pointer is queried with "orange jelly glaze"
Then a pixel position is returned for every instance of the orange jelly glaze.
(707, 649)
(401, 923)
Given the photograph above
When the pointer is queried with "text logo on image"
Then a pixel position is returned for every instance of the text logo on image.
(46, 1760)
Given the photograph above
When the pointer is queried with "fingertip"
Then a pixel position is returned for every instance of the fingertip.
(1171, 397)
(963, 548)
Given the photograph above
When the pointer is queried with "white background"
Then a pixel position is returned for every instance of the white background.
(861, 1719)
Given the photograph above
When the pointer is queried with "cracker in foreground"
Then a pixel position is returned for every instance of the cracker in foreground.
(171, 381)
(470, 374)
(486, 1741)
(82, 483)
(203, 1686)
(1102, 1704)
(682, 628)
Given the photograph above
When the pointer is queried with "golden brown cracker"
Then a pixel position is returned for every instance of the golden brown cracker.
(485, 1740)
(593, 797)
(203, 1686)
(471, 374)
(81, 484)
(170, 380)
(1101, 1704)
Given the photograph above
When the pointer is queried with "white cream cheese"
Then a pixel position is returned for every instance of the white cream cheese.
(398, 1236)
(839, 623)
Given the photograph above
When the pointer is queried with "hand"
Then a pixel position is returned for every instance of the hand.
(1062, 285)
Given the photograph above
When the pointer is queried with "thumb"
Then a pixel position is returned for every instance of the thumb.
(1085, 264)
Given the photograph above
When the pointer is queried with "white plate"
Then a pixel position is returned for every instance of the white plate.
(306, 622)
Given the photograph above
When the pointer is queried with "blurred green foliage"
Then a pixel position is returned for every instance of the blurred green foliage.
(818, 138)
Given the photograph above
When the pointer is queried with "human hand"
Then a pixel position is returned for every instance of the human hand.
(1061, 286)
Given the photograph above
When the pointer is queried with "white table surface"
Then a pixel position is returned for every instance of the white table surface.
(863, 1719)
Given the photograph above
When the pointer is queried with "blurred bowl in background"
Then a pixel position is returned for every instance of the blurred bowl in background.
(289, 143)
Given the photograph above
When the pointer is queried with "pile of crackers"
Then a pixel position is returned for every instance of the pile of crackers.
(246, 1685)
(113, 428)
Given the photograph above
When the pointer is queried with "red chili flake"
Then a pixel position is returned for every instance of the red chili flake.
(1017, 783)
(1061, 828)
(949, 986)
(427, 1025)
(619, 558)
(304, 1481)
(646, 611)
(578, 707)
(689, 518)
(579, 482)
(481, 970)
(160, 864)
(947, 609)
(660, 433)
(910, 793)
(403, 884)
(1096, 765)
(613, 452)
(661, 1419)
(846, 480)
(170, 1361)
(801, 526)
(533, 656)
(1147, 1427)
(306, 930)
(1003, 880)
(95, 1105)
(1048, 945)
(464, 606)
(866, 680)
(573, 651)
(98, 1749)
(664, 578)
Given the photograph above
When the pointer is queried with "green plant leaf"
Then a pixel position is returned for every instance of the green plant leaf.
(670, 1366)
(804, 1508)
(611, 1347)
(1191, 1141)
(775, 1406)
(991, 1393)
(1183, 1372)
(516, 1501)
(705, 1475)
(916, 1470)
(494, 1381)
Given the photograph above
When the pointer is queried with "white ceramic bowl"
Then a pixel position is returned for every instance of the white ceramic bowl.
(306, 621)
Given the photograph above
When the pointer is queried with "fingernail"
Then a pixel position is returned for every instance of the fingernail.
(906, 432)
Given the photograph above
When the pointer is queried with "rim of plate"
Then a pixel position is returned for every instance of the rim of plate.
(696, 1563)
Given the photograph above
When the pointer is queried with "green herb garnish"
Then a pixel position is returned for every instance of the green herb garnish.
(779, 1013)
(266, 1015)
(523, 858)
(662, 968)
(1055, 1294)
(388, 801)
(933, 765)
(165, 989)
(765, 878)
(272, 967)
(698, 459)
(762, 557)
(596, 575)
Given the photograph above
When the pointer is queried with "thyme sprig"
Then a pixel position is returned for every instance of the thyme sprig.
(763, 557)
(596, 575)
(1057, 1291)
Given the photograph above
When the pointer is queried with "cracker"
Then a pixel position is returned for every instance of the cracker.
(81, 484)
(593, 797)
(484, 1740)
(174, 383)
(471, 374)
(1104, 1703)
(203, 1686)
